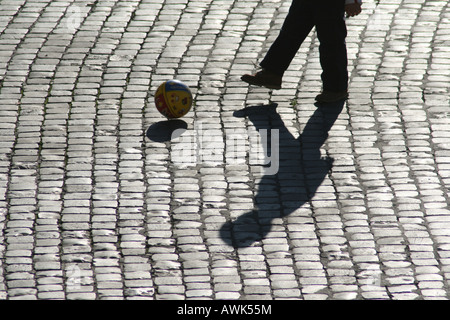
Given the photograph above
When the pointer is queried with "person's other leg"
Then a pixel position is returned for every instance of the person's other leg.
(332, 31)
(296, 27)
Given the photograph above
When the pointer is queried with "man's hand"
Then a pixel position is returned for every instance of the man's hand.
(352, 9)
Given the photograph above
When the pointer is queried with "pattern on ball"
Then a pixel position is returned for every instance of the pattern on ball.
(173, 99)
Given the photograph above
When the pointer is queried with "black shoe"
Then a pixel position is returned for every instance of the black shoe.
(264, 78)
(330, 96)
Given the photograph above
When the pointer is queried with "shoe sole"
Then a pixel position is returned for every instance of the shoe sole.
(343, 98)
(251, 82)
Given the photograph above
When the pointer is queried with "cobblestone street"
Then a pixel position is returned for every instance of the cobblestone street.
(101, 197)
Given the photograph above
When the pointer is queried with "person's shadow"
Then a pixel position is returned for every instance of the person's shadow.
(301, 171)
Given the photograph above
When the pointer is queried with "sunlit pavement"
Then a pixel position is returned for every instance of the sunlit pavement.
(102, 198)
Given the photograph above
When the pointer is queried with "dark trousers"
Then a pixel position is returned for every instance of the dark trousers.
(328, 18)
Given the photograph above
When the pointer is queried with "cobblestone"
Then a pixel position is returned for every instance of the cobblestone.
(95, 204)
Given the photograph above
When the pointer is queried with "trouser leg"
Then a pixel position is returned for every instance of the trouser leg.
(296, 27)
(331, 32)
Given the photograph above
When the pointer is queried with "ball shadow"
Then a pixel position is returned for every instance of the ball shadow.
(164, 131)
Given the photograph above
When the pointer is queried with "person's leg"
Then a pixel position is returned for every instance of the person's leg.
(332, 31)
(296, 27)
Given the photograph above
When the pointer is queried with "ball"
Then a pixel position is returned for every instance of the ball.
(173, 99)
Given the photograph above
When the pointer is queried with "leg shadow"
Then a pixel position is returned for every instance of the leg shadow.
(301, 171)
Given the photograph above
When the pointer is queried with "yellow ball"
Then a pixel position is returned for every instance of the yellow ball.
(173, 99)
